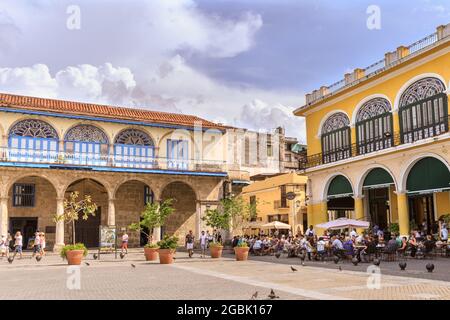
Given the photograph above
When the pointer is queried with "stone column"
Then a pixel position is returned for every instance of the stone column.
(403, 213)
(111, 212)
(59, 234)
(198, 220)
(4, 216)
(359, 208)
(310, 216)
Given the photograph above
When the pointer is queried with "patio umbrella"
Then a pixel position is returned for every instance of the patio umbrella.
(276, 225)
(343, 223)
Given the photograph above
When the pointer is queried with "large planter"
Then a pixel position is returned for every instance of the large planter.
(241, 253)
(151, 254)
(166, 256)
(216, 251)
(74, 257)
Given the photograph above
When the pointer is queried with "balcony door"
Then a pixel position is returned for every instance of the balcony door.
(336, 138)
(177, 154)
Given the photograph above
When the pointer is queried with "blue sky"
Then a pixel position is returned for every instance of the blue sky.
(246, 63)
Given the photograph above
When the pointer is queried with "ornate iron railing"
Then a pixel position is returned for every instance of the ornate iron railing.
(355, 149)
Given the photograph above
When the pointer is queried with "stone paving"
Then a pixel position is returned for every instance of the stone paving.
(201, 279)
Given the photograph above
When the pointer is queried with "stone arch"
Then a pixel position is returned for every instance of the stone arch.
(184, 217)
(104, 183)
(329, 179)
(360, 181)
(125, 180)
(413, 81)
(13, 180)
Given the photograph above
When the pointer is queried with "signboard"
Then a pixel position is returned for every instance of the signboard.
(290, 195)
(107, 239)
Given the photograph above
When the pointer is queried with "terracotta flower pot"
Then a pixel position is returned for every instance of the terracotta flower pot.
(151, 254)
(74, 257)
(216, 251)
(241, 253)
(166, 256)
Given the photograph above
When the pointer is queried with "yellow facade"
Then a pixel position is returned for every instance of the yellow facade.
(413, 69)
(268, 196)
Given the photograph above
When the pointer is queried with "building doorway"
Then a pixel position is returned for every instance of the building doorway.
(421, 213)
(379, 207)
(27, 226)
(87, 231)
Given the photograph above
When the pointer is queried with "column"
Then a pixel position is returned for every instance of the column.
(403, 213)
(310, 216)
(4, 216)
(59, 234)
(198, 221)
(359, 208)
(111, 213)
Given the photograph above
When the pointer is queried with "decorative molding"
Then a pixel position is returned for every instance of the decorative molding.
(421, 90)
(33, 128)
(86, 133)
(134, 137)
(373, 108)
(334, 122)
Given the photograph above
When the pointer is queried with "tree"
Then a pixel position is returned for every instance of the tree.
(153, 216)
(73, 208)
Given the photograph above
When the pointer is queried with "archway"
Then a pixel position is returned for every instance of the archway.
(340, 198)
(427, 180)
(378, 188)
(131, 198)
(31, 208)
(87, 231)
(183, 218)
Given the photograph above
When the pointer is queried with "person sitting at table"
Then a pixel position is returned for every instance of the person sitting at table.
(320, 247)
(429, 244)
(257, 246)
(413, 244)
(404, 245)
(392, 245)
(349, 247)
(337, 246)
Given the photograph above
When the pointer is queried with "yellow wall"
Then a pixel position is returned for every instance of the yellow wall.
(442, 203)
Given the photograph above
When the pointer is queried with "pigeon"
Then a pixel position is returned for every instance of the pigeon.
(293, 269)
(277, 255)
(86, 263)
(340, 268)
(254, 296)
(355, 261)
(303, 264)
(38, 258)
(336, 259)
(430, 267)
(402, 265)
(95, 256)
(376, 262)
(10, 259)
(122, 255)
(133, 265)
(272, 295)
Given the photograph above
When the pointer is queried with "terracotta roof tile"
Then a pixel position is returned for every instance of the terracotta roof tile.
(104, 111)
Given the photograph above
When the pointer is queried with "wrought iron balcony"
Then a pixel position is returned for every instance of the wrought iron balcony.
(373, 145)
(88, 160)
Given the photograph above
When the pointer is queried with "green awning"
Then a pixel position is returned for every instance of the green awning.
(339, 187)
(427, 176)
(378, 178)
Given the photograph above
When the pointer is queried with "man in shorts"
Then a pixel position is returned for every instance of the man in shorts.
(18, 242)
(37, 244)
(190, 243)
(125, 238)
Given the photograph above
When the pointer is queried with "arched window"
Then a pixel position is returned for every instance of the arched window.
(134, 148)
(87, 145)
(374, 126)
(336, 142)
(33, 140)
(423, 110)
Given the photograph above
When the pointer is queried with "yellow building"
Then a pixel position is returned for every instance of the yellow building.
(379, 142)
(273, 199)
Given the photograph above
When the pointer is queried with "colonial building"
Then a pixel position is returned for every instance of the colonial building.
(379, 142)
(124, 158)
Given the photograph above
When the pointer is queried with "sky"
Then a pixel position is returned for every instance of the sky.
(246, 63)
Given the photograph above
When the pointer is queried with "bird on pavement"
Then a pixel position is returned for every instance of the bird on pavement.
(340, 268)
(87, 263)
(272, 295)
(95, 256)
(38, 258)
(133, 265)
(10, 259)
(376, 262)
(430, 267)
(254, 296)
(293, 269)
(277, 255)
(122, 255)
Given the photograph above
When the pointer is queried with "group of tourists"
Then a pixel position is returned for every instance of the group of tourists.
(205, 239)
(38, 244)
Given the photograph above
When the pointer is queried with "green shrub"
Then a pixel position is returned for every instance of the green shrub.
(151, 246)
(243, 244)
(169, 242)
(71, 247)
(215, 244)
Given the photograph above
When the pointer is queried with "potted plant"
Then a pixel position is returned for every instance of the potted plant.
(167, 247)
(73, 209)
(218, 219)
(153, 216)
(394, 228)
(74, 253)
(241, 251)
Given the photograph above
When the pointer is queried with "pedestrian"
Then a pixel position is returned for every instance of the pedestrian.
(37, 244)
(42, 236)
(18, 243)
(190, 243)
(4, 252)
(210, 238)
(310, 232)
(219, 238)
(203, 244)
(125, 238)
(444, 233)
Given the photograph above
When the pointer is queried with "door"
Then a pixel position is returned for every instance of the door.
(422, 212)
(87, 231)
(27, 226)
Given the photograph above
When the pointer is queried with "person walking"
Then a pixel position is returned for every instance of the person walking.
(444, 233)
(203, 244)
(42, 236)
(190, 243)
(37, 244)
(125, 238)
(4, 245)
(18, 243)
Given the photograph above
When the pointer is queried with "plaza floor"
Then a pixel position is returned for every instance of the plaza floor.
(222, 279)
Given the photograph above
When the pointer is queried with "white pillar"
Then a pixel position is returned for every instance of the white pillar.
(59, 234)
(111, 213)
(4, 216)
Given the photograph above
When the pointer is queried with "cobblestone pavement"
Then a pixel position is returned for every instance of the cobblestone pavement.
(201, 279)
